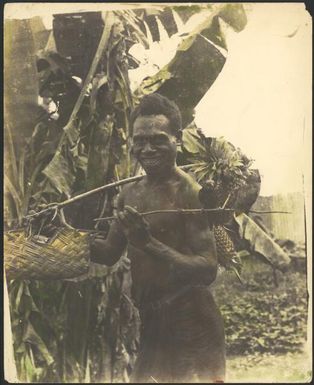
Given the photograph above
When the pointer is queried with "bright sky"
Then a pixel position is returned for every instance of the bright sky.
(261, 100)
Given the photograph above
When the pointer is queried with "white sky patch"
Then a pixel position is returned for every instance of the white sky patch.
(46, 10)
(261, 100)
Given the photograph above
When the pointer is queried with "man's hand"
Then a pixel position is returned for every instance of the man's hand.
(135, 227)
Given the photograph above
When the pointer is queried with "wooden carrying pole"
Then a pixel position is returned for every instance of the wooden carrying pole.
(53, 206)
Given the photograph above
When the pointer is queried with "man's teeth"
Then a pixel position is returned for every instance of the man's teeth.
(152, 161)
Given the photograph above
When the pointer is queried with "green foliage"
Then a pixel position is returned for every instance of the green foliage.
(260, 317)
(215, 158)
(25, 186)
(33, 355)
(82, 331)
(74, 331)
(61, 329)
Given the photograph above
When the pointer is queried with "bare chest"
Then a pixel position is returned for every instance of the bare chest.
(167, 227)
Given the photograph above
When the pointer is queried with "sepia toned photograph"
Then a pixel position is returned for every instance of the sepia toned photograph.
(157, 193)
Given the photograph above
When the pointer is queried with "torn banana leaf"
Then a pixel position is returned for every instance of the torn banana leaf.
(60, 174)
(262, 243)
(197, 63)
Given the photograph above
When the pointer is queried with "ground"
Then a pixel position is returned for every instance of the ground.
(269, 368)
(266, 324)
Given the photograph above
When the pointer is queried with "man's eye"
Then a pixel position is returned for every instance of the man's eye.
(159, 140)
(138, 141)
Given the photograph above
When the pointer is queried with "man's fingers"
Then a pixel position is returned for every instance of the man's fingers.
(132, 218)
(131, 209)
(122, 219)
(127, 220)
(132, 212)
(145, 222)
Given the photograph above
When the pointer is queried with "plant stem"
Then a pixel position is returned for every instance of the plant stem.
(193, 211)
(269, 212)
(178, 211)
(226, 201)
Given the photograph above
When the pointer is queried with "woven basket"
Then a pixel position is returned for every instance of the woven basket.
(65, 255)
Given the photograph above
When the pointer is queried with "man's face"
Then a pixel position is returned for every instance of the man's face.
(154, 146)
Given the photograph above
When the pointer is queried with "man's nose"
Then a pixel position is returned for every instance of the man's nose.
(147, 148)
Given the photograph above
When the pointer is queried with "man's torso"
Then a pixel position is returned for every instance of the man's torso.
(151, 276)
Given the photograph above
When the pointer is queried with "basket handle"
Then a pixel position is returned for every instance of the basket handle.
(63, 220)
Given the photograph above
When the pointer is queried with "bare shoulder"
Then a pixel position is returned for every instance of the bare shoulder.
(199, 222)
(190, 189)
(127, 190)
(132, 186)
(198, 234)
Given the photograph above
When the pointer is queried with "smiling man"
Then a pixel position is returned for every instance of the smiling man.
(173, 257)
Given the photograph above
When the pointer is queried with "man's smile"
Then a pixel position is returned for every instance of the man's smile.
(150, 160)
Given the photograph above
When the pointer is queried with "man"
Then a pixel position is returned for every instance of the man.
(173, 256)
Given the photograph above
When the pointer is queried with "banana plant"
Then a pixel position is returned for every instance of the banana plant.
(55, 342)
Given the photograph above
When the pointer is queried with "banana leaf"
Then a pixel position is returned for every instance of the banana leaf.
(60, 174)
(197, 62)
(261, 243)
(33, 338)
(21, 40)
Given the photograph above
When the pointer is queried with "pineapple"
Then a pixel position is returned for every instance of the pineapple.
(222, 170)
(226, 253)
(226, 189)
(224, 245)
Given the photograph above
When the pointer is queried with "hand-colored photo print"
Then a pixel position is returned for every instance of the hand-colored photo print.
(157, 193)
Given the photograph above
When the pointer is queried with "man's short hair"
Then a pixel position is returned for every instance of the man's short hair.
(156, 104)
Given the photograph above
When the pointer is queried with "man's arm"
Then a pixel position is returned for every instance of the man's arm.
(197, 266)
(108, 251)
(200, 264)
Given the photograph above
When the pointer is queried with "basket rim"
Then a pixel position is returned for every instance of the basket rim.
(33, 237)
(59, 228)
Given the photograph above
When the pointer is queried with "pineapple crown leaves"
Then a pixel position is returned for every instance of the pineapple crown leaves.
(215, 158)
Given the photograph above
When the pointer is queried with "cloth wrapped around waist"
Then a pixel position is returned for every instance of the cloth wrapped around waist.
(167, 299)
(181, 337)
